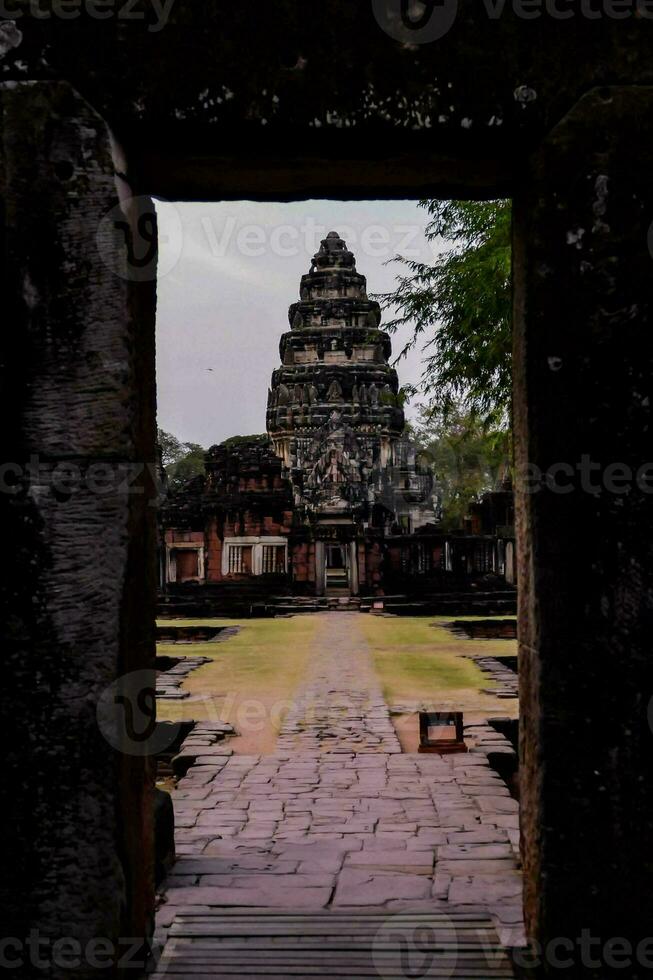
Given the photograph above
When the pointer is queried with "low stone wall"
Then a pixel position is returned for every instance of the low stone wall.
(203, 746)
(486, 629)
(193, 634)
(507, 679)
(494, 603)
(488, 739)
(168, 682)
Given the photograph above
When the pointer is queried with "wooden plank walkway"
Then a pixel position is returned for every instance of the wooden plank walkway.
(229, 943)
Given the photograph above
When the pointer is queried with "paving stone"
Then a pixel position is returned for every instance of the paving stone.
(408, 862)
(441, 885)
(485, 889)
(362, 888)
(467, 851)
(287, 897)
(431, 835)
(474, 866)
(485, 789)
(498, 804)
(401, 828)
(271, 881)
(315, 850)
(484, 835)
(502, 819)
(338, 816)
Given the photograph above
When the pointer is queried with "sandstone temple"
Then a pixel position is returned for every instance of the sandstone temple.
(339, 101)
(335, 500)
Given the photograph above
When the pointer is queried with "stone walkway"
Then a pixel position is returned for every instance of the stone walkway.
(340, 707)
(339, 818)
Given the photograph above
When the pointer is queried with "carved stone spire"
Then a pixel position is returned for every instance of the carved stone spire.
(336, 351)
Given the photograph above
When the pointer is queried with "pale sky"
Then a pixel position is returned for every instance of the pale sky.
(227, 274)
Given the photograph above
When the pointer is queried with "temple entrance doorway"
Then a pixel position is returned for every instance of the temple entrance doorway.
(337, 570)
(318, 521)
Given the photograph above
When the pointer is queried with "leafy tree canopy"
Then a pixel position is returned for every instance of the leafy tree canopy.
(246, 440)
(182, 461)
(469, 456)
(459, 309)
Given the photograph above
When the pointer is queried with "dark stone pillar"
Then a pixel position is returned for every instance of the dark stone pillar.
(583, 404)
(78, 555)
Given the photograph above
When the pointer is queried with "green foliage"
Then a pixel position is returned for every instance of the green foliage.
(171, 448)
(182, 461)
(469, 457)
(246, 440)
(459, 308)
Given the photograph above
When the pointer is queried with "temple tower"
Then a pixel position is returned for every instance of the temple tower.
(334, 412)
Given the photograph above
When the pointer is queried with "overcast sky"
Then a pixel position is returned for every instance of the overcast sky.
(227, 274)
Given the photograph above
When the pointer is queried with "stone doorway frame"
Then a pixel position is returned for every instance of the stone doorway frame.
(585, 567)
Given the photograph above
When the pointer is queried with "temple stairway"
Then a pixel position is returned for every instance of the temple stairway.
(353, 944)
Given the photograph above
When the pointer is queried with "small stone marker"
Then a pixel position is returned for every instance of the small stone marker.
(441, 731)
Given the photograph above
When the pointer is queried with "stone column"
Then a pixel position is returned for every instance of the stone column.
(584, 415)
(353, 567)
(79, 534)
(320, 569)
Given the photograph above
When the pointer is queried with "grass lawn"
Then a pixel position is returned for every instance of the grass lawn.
(251, 679)
(421, 663)
(253, 676)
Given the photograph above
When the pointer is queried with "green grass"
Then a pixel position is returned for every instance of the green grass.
(253, 676)
(260, 666)
(416, 657)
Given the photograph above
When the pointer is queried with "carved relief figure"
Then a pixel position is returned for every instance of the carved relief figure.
(335, 472)
(334, 393)
(388, 396)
